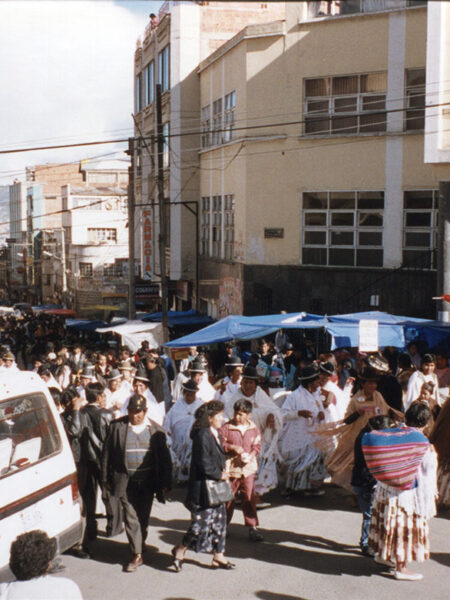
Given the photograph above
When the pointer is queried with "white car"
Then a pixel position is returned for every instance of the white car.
(38, 481)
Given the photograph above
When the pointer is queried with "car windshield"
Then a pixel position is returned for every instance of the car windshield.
(28, 432)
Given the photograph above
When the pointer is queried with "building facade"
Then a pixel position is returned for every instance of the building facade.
(169, 54)
(95, 236)
(314, 191)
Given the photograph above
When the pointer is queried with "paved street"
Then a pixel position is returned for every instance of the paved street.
(310, 552)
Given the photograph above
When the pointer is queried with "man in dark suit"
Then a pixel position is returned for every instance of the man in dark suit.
(136, 466)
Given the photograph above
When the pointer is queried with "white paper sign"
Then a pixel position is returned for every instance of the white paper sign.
(368, 335)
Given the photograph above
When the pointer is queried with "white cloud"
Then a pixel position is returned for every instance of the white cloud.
(66, 75)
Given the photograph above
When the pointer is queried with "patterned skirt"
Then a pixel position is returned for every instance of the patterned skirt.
(444, 485)
(398, 536)
(304, 467)
(207, 531)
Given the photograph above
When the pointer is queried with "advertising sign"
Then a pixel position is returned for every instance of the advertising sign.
(147, 245)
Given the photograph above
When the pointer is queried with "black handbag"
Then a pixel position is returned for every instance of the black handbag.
(218, 492)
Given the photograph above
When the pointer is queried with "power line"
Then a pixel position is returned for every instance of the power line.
(210, 131)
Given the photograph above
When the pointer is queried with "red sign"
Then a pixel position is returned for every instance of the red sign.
(147, 245)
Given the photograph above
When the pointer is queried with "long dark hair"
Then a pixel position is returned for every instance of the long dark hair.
(203, 412)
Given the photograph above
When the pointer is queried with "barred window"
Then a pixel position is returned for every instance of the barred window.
(420, 228)
(205, 222)
(217, 122)
(100, 234)
(164, 69)
(229, 116)
(228, 215)
(343, 229)
(206, 126)
(348, 104)
(216, 232)
(149, 83)
(86, 269)
(415, 99)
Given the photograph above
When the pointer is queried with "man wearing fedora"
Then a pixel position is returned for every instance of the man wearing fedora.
(178, 424)
(116, 394)
(136, 467)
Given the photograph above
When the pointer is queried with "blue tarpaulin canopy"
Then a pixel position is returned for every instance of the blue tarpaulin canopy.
(85, 325)
(343, 329)
(185, 318)
(237, 327)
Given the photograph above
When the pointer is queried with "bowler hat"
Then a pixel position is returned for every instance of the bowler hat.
(369, 374)
(327, 367)
(309, 372)
(137, 403)
(197, 366)
(113, 375)
(234, 361)
(250, 373)
(190, 386)
(141, 374)
(379, 363)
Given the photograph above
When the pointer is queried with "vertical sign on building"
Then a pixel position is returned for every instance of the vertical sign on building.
(147, 233)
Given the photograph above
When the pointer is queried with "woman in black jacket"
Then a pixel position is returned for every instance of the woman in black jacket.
(208, 528)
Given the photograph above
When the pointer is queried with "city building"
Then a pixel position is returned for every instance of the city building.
(315, 194)
(437, 134)
(169, 54)
(95, 237)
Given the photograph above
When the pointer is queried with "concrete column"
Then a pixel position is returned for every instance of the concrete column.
(443, 250)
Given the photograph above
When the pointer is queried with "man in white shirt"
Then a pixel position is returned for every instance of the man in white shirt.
(30, 557)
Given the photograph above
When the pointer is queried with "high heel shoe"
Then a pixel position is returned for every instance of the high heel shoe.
(177, 563)
(218, 564)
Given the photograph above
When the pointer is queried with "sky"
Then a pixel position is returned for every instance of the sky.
(66, 76)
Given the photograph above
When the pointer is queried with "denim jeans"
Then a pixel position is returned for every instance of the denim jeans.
(366, 509)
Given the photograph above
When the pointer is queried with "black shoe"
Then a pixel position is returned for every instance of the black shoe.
(78, 553)
(367, 551)
(255, 535)
(218, 564)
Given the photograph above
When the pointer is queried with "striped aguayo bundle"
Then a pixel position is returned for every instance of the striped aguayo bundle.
(393, 456)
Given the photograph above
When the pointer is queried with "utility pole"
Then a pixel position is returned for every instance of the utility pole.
(162, 214)
(63, 267)
(131, 215)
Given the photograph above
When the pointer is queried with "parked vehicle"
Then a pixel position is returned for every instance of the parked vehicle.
(38, 483)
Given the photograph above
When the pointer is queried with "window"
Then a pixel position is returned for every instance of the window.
(149, 83)
(346, 7)
(86, 269)
(229, 116)
(217, 226)
(420, 223)
(206, 126)
(228, 215)
(28, 433)
(139, 93)
(217, 122)
(164, 69)
(345, 104)
(343, 229)
(415, 99)
(100, 234)
(113, 270)
(204, 226)
(166, 152)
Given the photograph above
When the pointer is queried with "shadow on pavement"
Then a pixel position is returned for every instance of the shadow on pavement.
(442, 558)
(265, 595)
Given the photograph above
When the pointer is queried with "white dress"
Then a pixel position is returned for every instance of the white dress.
(178, 424)
(302, 461)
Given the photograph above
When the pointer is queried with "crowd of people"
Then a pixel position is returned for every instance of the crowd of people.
(274, 417)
